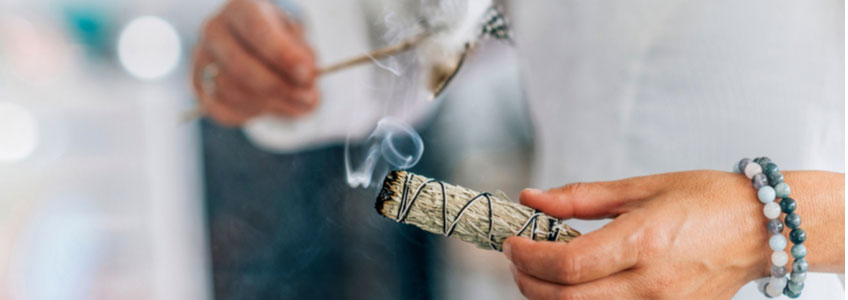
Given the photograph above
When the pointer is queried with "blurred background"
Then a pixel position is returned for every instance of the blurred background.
(103, 189)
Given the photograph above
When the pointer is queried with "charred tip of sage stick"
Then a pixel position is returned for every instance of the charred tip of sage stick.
(482, 219)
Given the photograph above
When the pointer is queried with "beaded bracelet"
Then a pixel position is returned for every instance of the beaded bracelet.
(767, 179)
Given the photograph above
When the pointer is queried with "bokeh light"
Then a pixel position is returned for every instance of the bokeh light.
(18, 132)
(36, 52)
(149, 47)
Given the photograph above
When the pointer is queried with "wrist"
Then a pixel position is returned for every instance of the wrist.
(821, 205)
(755, 254)
(824, 201)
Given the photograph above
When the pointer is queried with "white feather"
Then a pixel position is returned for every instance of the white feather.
(449, 26)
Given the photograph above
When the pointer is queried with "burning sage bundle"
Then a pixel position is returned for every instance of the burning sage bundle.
(482, 219)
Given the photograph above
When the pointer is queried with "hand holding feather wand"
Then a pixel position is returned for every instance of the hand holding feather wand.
(198, 112)
(442, 59)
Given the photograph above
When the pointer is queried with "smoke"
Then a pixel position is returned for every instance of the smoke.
(450, 25)
(392, 145)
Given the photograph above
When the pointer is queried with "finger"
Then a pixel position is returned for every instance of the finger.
(258, 25)
(591, 256)
(232, 94)
(535, 289)
(290, 25)
(297, 30)
(294, 109)
(593, 200)
(252, 73)
(619, 286)
(229, 92)
(221, 113)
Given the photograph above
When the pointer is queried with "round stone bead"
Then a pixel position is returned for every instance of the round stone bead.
(766, 194)
(759, 181)
(775, 226)
(771, 210)
(775, 178)
(797, 276)
(777, 282)
(788, 205)
(792, 220)
(778, 271)
(752, 169)
(799, 251)
(769, 168)
(800, 265)
(772, 291)
(782, 190)
(777, 242)
(797, 236)
(742, 164)
(779, 258)
(790, 293)
(796, 287)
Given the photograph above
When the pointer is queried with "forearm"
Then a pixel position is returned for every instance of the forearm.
(821, 205)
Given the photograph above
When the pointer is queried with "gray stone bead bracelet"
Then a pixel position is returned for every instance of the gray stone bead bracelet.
(766, 178)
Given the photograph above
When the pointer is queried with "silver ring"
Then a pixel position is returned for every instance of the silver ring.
(207, 78)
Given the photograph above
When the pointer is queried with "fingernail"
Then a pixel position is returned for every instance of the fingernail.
(507, 250)
(533, 192)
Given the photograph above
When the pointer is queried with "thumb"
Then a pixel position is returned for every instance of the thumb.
(593, 200)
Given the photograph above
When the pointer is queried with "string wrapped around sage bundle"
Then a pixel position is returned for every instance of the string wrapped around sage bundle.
(482, 219)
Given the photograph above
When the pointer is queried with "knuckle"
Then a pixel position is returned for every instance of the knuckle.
(570, 270)
(575, 188)
(651, 243)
